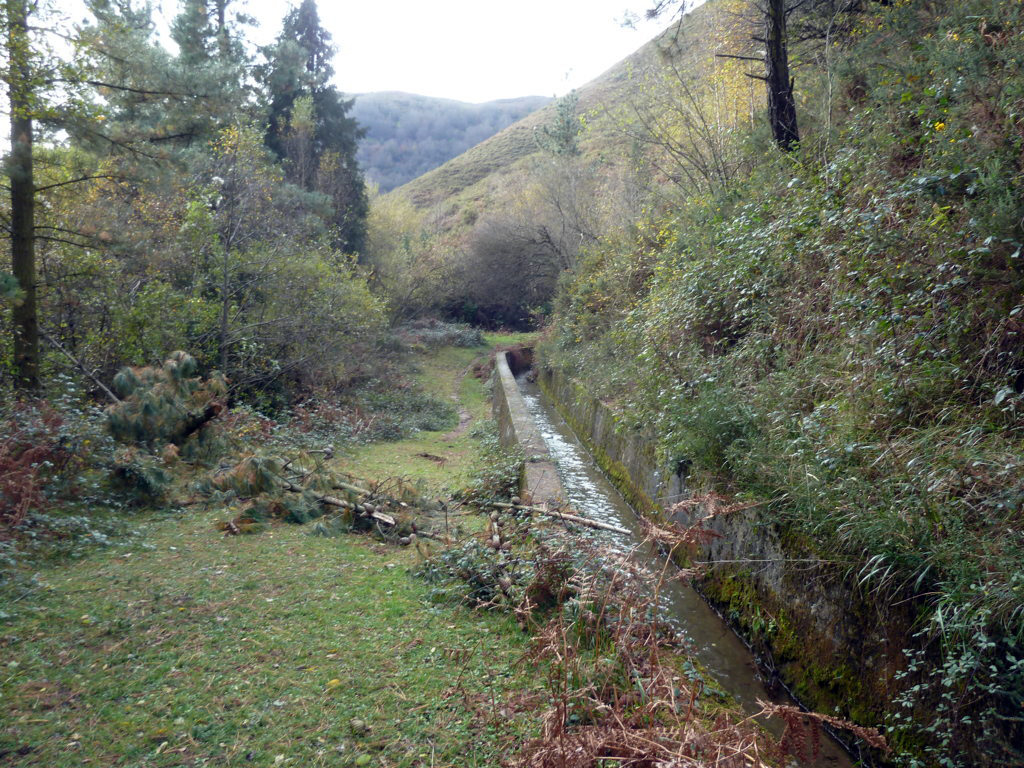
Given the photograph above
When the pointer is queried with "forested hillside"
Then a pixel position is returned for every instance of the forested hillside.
(408, 135)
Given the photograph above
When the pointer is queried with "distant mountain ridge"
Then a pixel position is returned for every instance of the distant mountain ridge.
(408, 135)
(470, 185)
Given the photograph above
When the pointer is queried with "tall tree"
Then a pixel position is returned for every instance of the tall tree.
(50, 96)
(207, 31)
(20, 171)
(210, 70)
(774, 17)
(298, 66)
(781, 104)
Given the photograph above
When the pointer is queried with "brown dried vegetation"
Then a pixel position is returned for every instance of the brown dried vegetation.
(29, 448)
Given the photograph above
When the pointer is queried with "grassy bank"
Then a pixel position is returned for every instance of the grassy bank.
(835, 336)
(280, 649)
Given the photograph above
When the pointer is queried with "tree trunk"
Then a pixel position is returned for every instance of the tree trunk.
(781, 105)
(223, 39)
(225, 306)
(23, 257)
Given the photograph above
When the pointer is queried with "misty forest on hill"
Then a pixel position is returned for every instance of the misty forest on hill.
(268, 481)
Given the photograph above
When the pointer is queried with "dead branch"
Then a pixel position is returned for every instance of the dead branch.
(561, 516)
(79, 365)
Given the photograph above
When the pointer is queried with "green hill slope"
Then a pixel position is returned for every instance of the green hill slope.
(471, 178)
(408, 135)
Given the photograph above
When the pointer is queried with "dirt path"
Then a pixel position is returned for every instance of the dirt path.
(465, 417)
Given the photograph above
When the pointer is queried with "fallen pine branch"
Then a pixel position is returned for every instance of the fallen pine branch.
(332, 501)
(564, 516)
(79, 365)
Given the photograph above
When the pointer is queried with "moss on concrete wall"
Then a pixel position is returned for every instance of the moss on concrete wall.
(837, 649)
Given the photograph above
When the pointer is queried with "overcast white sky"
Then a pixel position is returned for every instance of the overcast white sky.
(471, 50)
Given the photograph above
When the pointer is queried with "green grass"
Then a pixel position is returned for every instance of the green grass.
(444, 373)
(191, 648)
(202, 649)
(496, 339)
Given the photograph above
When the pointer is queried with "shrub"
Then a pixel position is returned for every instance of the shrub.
(432, 333)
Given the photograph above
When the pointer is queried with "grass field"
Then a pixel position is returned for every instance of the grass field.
(443, 459)
(279, 649)
(186, 647)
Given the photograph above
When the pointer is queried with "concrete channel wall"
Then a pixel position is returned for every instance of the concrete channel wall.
(539, 483)
(806, 619)
(628, 458)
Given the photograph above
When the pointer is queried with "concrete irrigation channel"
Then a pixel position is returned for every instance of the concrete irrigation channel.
(559, 470)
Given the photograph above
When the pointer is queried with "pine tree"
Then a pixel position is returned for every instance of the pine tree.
(299, 66)
(210, 69)
(191, 31)
(166, 404)
(22, 72)
(561, 136)
(110, 100)
(46, 94)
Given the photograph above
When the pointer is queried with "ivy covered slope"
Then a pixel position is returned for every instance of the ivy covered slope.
(837, 331)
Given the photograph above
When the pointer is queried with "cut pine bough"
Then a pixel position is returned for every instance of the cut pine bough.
(559, 515)
(256, 476)
(263, 482)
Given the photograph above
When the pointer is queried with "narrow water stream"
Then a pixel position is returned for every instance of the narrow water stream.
(714, 644)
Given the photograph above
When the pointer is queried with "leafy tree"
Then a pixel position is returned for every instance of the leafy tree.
(774, 16)
(409, 267)
(683, 114)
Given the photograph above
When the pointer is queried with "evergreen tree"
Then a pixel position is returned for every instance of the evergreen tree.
(191, 31)
(210, 69)
(108, 101)
(298, 66)
(20, 170)
(207, 31)
(48, 95)
(562, 136)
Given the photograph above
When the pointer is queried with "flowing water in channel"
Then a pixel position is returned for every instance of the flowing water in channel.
(714, 644)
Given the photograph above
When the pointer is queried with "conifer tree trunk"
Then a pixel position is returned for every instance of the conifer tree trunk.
(223, 40)
(781, 104)
(225, 306)
(20, 170)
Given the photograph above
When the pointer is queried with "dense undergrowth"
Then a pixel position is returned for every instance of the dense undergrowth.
(75, 476)
(839, 333)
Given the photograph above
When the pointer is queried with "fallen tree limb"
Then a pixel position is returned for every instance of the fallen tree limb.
(332, 501)
(341, 486)
(79, 365)
(196, 421)
(561, 516)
